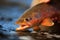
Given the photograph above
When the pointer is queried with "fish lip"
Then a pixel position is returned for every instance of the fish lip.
(22, 28)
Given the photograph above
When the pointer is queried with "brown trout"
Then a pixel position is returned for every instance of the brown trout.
(41, 16)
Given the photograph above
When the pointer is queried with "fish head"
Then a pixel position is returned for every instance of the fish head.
(23, 23)
(27, 20)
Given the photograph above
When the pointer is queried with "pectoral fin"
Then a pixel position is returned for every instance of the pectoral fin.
(47, 22)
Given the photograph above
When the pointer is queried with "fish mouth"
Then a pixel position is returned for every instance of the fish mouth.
(22, 27)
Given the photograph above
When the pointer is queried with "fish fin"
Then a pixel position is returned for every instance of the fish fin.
(47, 22)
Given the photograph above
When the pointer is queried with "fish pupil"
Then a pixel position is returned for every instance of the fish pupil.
(27, 20)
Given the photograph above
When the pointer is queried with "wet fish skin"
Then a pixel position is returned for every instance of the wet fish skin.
(38, 13)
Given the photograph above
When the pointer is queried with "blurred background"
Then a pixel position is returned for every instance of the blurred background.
(10, 11)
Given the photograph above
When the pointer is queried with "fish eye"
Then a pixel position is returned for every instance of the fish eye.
(28, 19)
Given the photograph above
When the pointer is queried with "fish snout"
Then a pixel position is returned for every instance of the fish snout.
(23, 26)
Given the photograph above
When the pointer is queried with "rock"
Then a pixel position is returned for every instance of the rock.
(1, 26)
(9, 19)
(2, 18)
